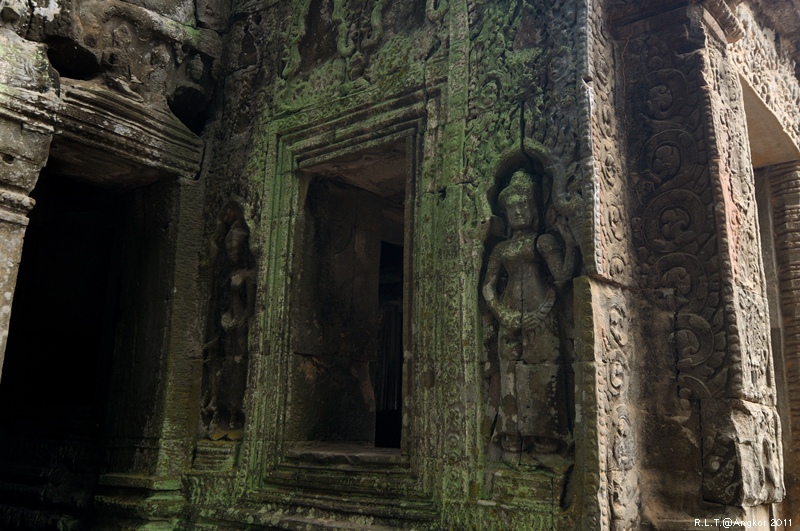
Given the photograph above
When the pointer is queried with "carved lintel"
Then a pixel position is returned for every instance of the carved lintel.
(106, 138)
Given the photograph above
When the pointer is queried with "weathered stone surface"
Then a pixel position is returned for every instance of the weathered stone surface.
(105, 138)
(231, 308)
(109, 134)
(381, 265)
(742, 459)
(780, 186)
(12, 233)
(27, 105)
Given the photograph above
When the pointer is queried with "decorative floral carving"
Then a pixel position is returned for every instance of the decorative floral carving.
(668, 155)
(615, 260)
(695, 238)
(673, 219)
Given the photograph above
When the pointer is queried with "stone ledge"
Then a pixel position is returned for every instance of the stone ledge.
(345, 454)
(139, 482)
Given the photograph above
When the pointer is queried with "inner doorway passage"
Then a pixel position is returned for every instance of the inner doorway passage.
(54, 388)
(61, 329)
(351, 300)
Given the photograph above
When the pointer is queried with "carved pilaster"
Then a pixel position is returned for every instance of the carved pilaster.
(698, 260)
(27, 104)
(12, 231)
(784, 184)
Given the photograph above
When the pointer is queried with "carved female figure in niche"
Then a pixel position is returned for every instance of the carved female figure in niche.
(226, 352)
(520, 289)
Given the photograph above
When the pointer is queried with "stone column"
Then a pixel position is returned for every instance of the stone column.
(27, 111)
(784, 184)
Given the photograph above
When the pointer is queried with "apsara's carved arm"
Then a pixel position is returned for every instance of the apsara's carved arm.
(506, 318)
(561, 264)
(532, 322)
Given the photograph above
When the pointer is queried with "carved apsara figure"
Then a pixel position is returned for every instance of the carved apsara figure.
(225, 355)
(521, 288)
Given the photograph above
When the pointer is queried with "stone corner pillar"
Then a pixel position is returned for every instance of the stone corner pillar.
(28, 105)
(698, 263)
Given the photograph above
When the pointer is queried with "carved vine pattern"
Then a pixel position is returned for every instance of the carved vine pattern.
(675, 234)
(695, 202)
(359, 30)
(613, 260)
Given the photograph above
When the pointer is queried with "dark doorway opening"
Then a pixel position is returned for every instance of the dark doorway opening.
(388, 370)
(61, 335)
(349, 303)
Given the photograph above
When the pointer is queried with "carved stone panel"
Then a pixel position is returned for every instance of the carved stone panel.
(226, 351)
(694, 229)
(685, 204)
(674, 227)
(527, 288)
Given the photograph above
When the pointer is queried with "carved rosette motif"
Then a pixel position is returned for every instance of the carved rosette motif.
(740, 250)
(674, 232)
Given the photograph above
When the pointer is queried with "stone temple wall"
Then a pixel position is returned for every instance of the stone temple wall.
(432, 264)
